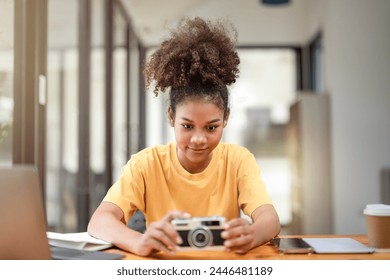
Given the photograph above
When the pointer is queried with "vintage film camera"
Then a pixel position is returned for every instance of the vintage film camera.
(200, 232)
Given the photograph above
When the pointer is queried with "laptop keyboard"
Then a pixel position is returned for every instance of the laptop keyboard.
(59, 253)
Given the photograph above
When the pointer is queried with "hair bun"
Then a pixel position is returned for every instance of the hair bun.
(198, 53)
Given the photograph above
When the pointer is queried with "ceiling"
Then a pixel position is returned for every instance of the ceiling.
(256, 22)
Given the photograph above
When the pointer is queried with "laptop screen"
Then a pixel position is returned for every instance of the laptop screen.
(22, 219)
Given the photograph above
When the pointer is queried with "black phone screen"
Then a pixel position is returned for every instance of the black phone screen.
(292, 245)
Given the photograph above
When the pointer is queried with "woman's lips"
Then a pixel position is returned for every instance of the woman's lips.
(198, 150)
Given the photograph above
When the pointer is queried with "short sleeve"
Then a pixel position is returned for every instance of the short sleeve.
(252, 190)
(128, 191)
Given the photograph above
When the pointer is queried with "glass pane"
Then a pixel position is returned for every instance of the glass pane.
(120, 94)
(62, 115)
(260, 102)
(6, 80)
(119, 112)
(158, 129)
(97, 106)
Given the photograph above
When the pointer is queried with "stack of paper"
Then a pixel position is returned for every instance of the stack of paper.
(79, 240)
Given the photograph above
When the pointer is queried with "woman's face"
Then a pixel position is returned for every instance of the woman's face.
(198, 127)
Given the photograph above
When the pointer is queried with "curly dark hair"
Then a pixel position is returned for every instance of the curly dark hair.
(199, 60)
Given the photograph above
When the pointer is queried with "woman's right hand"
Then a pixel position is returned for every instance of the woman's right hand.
(160, 236)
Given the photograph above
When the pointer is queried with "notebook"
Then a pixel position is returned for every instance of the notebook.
(23, 223)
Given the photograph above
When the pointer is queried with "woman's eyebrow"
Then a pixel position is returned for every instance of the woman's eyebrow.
(186, 119)
(215, 120)
(212, 121)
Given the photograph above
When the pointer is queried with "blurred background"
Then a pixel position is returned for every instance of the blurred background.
(312, 101)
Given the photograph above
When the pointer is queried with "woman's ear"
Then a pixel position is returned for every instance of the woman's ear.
(226, 118)
(171, 116)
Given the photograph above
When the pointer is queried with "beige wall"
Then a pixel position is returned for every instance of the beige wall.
(357, 66)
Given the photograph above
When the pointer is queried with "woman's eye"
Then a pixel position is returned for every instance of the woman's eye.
(211, 128)
(187, 126)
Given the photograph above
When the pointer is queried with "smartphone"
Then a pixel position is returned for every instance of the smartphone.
(289, 245)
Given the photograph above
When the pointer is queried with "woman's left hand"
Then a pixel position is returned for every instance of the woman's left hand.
(238, 235)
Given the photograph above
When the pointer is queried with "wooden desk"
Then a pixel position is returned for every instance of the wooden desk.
(265, 252)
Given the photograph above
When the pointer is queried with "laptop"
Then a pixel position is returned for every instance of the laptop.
(342, 245)
(23, 223)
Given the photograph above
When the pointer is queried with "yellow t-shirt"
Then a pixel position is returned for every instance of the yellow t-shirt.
(155, 182)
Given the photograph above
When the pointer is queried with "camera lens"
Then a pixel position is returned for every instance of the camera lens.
(200, 237)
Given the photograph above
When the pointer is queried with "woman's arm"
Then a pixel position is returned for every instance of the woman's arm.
(107, 223)
(266, 224)
(241, 236)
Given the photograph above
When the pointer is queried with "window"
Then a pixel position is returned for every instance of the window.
(6, 80)
(316, 64)
(260, 103)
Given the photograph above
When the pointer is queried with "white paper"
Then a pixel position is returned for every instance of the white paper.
(78, 240)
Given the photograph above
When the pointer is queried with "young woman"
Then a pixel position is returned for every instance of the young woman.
(198, 175)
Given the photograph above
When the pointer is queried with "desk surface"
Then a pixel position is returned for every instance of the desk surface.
(265, 252)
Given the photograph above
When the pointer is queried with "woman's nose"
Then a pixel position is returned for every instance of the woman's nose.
(198, 138)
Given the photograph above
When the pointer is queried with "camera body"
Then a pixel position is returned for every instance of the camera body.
(200, 232)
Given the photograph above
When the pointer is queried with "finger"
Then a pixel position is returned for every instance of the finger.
(238, 237)
(241, 246)
(160, 243)
(165, 240)
(172, 233)
(171, 215)
(240, 250)
(156, 245)
(239, 230)
(235, 223)
(169, 229)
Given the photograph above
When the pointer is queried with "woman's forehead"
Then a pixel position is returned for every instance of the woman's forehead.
(199, 109)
